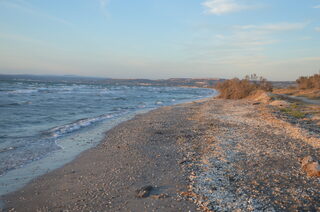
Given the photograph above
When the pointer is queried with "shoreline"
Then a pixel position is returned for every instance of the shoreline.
(194, 151)
(18, 178)
(76, 158)
(15, 179)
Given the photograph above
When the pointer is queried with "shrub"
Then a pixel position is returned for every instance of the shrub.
(238, 89)
(309, 82)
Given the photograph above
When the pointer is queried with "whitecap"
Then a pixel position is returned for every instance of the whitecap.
(158, 103)
(77, 125)
(22, 91)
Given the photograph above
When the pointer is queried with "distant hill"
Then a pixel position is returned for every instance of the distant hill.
(189, 82)
(51, 78)
(283, 84)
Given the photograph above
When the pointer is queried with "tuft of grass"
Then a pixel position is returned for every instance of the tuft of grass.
(295, 105)
(293, 111)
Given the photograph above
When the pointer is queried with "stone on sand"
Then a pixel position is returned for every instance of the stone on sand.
(311, 167)
(144, 191)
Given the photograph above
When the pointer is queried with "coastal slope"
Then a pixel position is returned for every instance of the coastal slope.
(220, 154)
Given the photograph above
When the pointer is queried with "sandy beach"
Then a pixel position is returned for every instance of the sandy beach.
(211, 155)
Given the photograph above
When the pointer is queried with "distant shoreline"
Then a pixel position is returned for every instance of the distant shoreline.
(171, 82)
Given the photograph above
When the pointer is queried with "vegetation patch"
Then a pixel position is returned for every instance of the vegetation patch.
(309, 82)
(294, 111)
(239, 89)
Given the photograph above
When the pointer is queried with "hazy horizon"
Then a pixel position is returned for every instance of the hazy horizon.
(123, 78)
(160, 39)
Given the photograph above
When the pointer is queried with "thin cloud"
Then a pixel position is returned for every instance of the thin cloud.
(104, 7)
(28, 40)
(274, 27)
(317, 29)
(104, 3)
(242, 43)
(310, 59)
(306, 38)
(27, 8)
(220, 37)
(219, 7)
(234, 48)
(317, 6)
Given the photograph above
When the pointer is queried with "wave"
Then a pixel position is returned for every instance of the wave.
(77, 125)
(158, 103)
(22, 91)
(16, 104)
(7, 149)
(55, 89)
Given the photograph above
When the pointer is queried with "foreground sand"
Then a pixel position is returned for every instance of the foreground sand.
(220, 154)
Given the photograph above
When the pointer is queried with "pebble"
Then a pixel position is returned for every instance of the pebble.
(144, 191)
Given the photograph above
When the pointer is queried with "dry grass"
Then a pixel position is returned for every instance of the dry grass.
(312, 82)
(306, 87)
(239, 89)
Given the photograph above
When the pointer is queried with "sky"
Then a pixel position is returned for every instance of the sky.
(160, 39)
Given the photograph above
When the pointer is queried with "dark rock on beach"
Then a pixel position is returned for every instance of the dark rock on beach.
(144, 191)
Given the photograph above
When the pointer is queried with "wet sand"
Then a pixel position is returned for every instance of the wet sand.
(221, 155)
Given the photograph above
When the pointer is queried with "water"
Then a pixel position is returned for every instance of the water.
(45, 125)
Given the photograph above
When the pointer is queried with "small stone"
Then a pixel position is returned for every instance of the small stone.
(306, 160)
(160, 196)
(144, 191)
(183, 161)
(311, 167)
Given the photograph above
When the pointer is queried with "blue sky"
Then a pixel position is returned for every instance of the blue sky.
(278, 39)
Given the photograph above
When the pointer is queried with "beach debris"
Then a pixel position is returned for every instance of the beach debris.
(310, 166)
(159, 132)
(184, 161)
(306, 160)
(160, 196)
(144, 191)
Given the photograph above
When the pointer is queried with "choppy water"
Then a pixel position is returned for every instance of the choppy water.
(38, 119)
